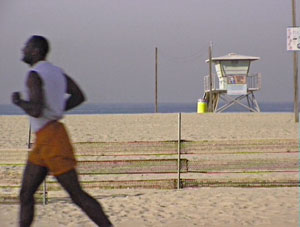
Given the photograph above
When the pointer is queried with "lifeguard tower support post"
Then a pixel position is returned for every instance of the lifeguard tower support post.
(233, 83)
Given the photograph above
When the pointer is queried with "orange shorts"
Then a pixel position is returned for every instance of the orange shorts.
(53, 149)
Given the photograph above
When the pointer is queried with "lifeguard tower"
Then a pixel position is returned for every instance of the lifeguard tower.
(233, 83)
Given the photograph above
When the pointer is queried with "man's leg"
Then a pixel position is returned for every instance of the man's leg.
(33, 176)
(88, 204)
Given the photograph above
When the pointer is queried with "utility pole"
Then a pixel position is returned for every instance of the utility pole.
(156, 71)
(210, 107)
(295, 57)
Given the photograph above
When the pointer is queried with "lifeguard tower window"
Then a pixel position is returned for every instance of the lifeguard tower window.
(233, 83)
(235, 67)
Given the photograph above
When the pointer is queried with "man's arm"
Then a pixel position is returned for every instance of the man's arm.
(76, 95)
(33, 107)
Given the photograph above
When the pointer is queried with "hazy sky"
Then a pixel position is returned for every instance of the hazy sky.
(108, 46)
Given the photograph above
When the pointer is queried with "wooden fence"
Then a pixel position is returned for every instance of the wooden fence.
(107, 165)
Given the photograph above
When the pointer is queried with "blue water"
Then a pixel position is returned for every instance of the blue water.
(129, 108)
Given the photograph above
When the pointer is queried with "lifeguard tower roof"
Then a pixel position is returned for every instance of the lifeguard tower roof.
(233, 56)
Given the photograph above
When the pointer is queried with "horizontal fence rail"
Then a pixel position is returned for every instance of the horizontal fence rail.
(131, 166)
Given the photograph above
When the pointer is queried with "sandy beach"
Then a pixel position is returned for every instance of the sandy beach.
(200, 206)
(159, 127)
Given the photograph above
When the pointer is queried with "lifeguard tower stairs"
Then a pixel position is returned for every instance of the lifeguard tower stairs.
(232, 84)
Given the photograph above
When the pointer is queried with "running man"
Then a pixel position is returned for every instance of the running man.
(46, 88)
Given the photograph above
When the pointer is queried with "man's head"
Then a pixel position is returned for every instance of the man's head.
(36, 49)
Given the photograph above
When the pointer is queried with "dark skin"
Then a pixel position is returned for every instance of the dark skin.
(34, 175)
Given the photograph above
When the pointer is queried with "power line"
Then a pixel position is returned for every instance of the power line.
(183, 59)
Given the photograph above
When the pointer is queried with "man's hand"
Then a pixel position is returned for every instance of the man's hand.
(16, 98)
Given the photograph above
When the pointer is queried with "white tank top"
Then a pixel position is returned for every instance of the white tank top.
(54, 88)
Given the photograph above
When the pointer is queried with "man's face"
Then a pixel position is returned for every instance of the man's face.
(28, 53)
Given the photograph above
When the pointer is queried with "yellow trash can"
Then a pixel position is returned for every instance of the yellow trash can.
(202, 106)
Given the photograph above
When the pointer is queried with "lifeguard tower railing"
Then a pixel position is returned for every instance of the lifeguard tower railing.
(253, 84)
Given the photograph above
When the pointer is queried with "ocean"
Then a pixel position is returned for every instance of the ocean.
(143, 108)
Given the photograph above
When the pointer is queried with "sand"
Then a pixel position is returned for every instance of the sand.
(207, 206)
(159, 127)
(189, 207)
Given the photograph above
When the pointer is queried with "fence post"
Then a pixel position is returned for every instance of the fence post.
(29, 138)
(45, 198)
(179, 151)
